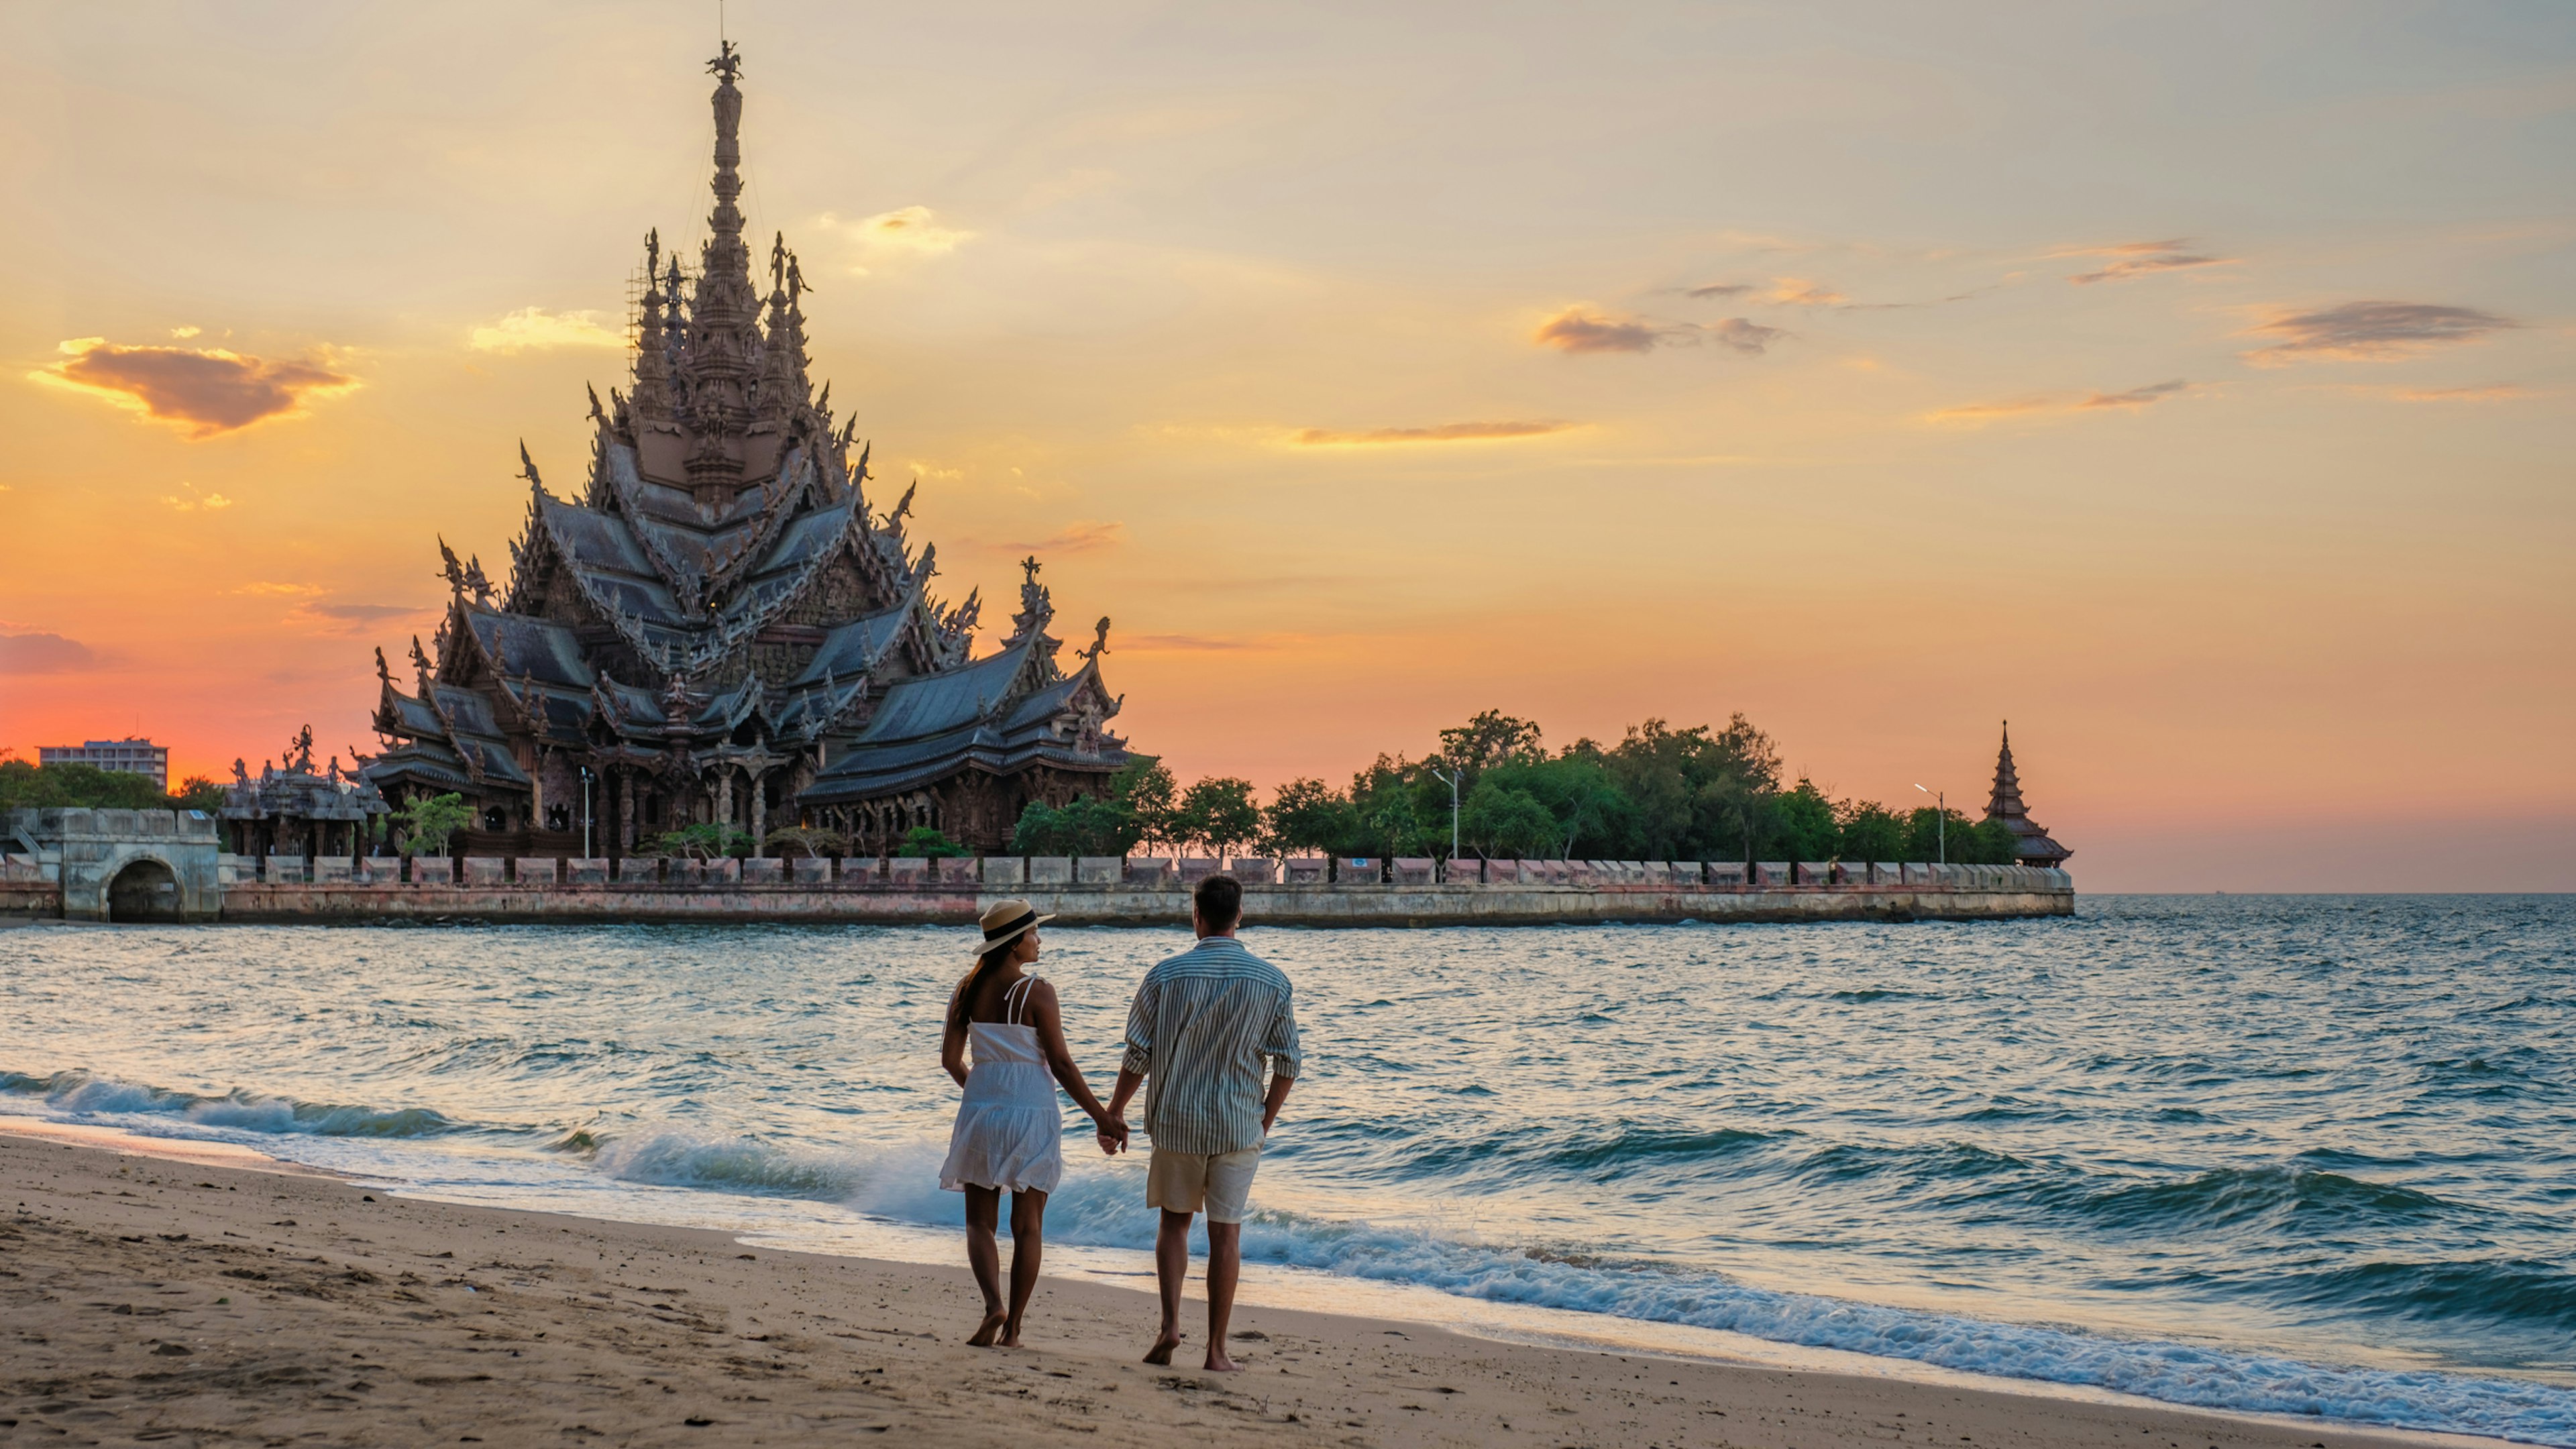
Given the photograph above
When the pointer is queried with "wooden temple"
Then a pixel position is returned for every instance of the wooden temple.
(2034, 846)
(719, 627)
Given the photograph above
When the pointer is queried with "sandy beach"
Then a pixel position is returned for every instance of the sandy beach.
(176, 1302)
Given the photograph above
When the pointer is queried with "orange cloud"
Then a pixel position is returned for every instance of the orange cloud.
(2480, 392)
(2371, 331)
(1080, 537)
(2137, 397)
(42, 653)
(1579, 330)
(1979, 414)
(1443, 433)
(2139, 259)
(211, 391)
(534, 329)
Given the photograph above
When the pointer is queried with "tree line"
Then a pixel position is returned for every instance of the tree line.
(1659, 793)
(31, 786)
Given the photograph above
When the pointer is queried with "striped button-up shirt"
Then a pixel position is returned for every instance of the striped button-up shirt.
(1202, 1024)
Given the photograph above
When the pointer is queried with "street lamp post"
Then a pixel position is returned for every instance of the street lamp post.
(586, 852)
(1451, 777)
(1940, 821)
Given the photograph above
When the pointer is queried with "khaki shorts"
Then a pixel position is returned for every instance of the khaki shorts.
(1188, 1182)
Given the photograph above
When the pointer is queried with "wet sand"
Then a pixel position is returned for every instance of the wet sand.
(147, 1300)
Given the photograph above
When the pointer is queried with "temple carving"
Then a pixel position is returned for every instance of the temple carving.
(719, 627)
(2032, 845)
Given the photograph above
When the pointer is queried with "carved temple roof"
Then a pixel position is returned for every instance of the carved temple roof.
(2005, 805)
(722, 571)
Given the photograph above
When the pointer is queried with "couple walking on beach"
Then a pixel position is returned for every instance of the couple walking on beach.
(1199, 1032)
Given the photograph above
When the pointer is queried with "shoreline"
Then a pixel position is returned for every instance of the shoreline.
(1312, 1375)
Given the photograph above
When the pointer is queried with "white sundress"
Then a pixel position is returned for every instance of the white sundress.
(1010, 1129)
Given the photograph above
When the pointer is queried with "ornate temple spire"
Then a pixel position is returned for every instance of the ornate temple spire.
(724, 312)
(2034, 846)
(2005, 803)
(652, 400)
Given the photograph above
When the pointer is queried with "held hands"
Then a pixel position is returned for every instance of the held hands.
(1112, 1135)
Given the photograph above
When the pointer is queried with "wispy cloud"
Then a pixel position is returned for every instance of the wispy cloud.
(2477, 392)
(1799, 292)
(2141, 259)
(1973, 414)
(2371, 331)
(2137, 397)
(210, 391)
(35, 652)
(355, 614)
(2038, 404)
(1581, 330)
(190, 500)
(1210, 643)
(313, 611)
(1745, 336)
(910, 232)
(1082, 536)
(1719, 289)
(1441, 433)
(534, 329)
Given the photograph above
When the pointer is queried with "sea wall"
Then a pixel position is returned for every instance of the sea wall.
(1144, 892)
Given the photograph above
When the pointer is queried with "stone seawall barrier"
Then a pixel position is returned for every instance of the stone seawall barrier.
(1109, 891)
(157, 866)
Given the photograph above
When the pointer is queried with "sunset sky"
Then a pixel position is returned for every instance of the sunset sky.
(2188, 384)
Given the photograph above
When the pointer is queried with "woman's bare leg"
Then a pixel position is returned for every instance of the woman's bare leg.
(984, 1255)
(1028, 1246)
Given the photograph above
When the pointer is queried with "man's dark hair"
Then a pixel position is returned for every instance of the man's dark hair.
(1220, 901)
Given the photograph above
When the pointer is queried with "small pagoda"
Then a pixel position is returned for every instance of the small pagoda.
(2033, 845)
(720, 628)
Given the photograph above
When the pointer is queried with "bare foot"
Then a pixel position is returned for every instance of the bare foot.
(984, 1332)
(1218, 1363)
(1161, 1352)
(1010, 1337)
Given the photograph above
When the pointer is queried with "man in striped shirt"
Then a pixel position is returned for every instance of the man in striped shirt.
(1202, 1025)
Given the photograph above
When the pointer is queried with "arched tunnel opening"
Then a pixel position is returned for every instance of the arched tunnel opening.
(145, 890)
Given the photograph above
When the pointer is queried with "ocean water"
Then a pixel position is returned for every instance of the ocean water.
(2306, 1155)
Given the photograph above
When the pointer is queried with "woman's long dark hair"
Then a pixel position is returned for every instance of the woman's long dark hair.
(985, 964)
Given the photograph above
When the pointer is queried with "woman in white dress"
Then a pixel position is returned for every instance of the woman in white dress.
(1009, 1135)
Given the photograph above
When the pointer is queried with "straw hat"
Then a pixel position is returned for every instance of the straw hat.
(1006, 921)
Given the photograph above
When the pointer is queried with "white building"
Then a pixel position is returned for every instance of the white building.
(132, 756)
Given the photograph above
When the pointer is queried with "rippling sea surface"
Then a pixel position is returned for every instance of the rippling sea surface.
(2281, 1154)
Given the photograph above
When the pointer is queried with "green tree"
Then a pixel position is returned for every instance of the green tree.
(808, 841)
(925, 840)
(1500, 822)
(1803, 825)
(1490, 739)
(1307, 816)
(1083, 827)
(23, 785)
(706, 840)
(1218, 814)
(428, 821)
(1150, 796)
(1870, 831)
(198, 793)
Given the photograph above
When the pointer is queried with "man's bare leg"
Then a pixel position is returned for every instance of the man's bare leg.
(1225, 1266)
(984, 1255)
(1171, 1267)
